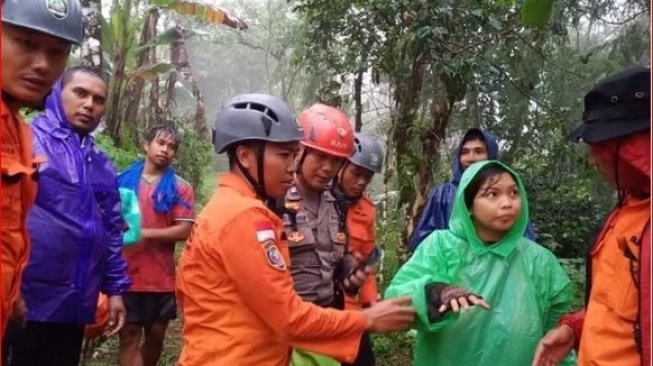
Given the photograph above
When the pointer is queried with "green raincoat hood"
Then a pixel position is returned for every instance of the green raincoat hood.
(461, 225)
(523, 282)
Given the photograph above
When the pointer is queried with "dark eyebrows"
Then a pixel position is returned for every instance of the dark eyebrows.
(79, 88)
(287, 149)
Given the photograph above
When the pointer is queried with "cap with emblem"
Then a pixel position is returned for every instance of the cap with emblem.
(58, 18)
(617, 106)
(368, 153)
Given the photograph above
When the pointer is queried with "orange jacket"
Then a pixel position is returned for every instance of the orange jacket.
(361, 220)
(612, 307)
(619, 298)
(18, 194)
(236, 293)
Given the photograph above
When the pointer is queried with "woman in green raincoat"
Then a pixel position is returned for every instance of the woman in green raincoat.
(483, 258)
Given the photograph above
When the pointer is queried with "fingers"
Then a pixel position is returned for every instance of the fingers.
(454, 305)
(402, 301)
(121, 320)
(538, 359)
(479, 302)
(356, 279)
(111, 326)
(463, 303)
(115, 326)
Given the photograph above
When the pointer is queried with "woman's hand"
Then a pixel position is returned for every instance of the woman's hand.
(455, 298)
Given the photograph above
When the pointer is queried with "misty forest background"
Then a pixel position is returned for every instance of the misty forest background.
(414, 73)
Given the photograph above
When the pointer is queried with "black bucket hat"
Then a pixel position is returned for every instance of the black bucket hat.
(619, 105)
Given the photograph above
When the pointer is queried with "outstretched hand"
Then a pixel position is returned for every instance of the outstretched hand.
(554, 347)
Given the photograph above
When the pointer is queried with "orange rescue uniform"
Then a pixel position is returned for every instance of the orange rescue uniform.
(612, 308)
(236, 292)
(361, 220)
(18, 194)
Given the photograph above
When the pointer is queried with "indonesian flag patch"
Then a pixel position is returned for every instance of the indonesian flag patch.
(264, 231)
(266, 237)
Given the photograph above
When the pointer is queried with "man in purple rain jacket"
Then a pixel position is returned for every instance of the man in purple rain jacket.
(75, 228)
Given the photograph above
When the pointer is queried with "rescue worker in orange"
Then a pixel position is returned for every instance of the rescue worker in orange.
(37, 36)
(352, 181)
(614, 328)
(234, 284)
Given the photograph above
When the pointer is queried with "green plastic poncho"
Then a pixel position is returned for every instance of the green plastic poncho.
(305, 358)
(523, 283)
(131, 213)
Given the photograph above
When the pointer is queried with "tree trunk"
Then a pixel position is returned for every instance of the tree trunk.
(113, 115)
(135, 90)
(407, 99)
(154, 111)
(179, 58)
(92, 45)
(358, 86)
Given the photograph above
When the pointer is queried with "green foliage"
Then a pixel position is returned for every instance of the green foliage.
(120, 157)
(567, 200)
(193, 161)
(395, 348)
(537, 13)
(575, 269)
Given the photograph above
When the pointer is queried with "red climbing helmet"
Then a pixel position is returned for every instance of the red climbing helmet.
(328, 130)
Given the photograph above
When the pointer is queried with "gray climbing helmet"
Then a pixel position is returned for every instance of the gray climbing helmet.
(368, 153)
(254, 117)
(58, 18)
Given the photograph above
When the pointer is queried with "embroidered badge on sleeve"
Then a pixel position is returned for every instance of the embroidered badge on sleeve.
(275, 259)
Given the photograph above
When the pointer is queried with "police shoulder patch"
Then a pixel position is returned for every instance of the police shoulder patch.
(274, 257)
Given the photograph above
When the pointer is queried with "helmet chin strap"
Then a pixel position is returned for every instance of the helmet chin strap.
(300, 162)
(259, 186)
(338, 189)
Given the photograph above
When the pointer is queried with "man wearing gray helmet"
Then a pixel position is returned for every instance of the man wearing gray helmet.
(37, 36)
(234, 284)
(352, 181)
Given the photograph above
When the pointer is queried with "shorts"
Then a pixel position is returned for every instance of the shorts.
(147, 308)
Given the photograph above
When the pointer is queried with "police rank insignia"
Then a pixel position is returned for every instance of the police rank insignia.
(274, 257)
(295, 236)
(294, 205)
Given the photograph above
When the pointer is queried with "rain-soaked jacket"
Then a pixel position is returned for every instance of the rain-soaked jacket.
(435, 215)
(523, 283)
(75, 225)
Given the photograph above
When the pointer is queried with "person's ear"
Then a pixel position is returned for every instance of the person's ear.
(246, 156)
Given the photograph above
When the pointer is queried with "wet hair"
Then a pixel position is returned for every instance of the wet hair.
(167, 129)
(88, 70)
(473, 135)
(491, 173)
